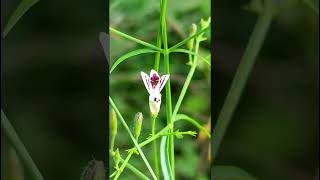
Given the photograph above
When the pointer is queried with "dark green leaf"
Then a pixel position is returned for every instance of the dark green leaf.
(22, 8)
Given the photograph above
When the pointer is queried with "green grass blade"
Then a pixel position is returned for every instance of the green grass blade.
(22, 8)
(230, 173)
(192, 53)
(17, 144)
(247, 62)
(132, 138)
(192, 121)
(129, 55)
(134, 39)
(187, 39)
(165, 159)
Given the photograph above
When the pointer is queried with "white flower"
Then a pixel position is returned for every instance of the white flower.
(154, 84)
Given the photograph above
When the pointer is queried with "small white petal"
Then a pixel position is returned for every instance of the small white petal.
(146, 81)
(163, 81)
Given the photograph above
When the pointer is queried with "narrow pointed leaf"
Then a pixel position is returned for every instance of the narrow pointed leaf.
(129, 55)
(165, 159)
(22, 8)
(134, 39)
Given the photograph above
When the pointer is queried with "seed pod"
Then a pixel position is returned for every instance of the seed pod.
(192, 32)
(113, 123)
(137, 124)
(117, 158)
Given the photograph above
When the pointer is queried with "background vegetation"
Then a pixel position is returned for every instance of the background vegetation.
(274, 132)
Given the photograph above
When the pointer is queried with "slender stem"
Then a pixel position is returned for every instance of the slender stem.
(156, 67)
(135, 39)
(133, 169)
(17, 144)
(123, 165)
(187, 39)
(155, 153)
(168, 89)
(136, 171)
(132, 138)
(188, 80)
(241, 76)
(112, 143)
(152, 138)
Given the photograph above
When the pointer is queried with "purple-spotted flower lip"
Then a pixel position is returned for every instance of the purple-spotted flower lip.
(154, 83)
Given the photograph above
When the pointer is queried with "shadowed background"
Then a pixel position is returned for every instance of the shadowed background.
(274, 132)
(53, 85)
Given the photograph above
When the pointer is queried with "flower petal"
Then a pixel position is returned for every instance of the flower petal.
(163, 81)
(146, 81)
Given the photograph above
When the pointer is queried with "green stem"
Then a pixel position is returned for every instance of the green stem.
(17, 144)
(159, 42)
(113, 137)
(123, 165)
(168, 89)
(132, 138)
(136, 171)
(155, 153)
(188, 80)
(187, 39)
(241, 76)
(133, 169)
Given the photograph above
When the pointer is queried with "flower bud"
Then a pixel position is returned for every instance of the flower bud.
(117, 158)
(204, 24)
(137, 124)
(192, 32)
(113, 123)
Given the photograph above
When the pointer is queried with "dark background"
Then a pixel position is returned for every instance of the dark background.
(54, 85)
(274, 132)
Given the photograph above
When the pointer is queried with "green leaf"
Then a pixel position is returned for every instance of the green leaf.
(129, 55)
(25, 158)
(134, 39)
(192, 121)
(22, 8)
(165, 159)
(192, 53)
(230, 173)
